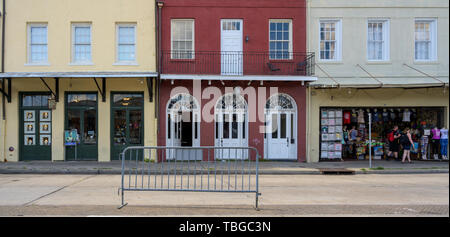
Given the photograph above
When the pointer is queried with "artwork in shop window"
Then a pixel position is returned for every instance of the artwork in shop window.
(45, 140)
(45, 115)
(29, 127)
(324, 114)
(29, 140)
(28, 115)
(45, 128)
(331, 114)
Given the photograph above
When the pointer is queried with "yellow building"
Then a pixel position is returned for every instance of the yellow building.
(78, 79)
(385, 58)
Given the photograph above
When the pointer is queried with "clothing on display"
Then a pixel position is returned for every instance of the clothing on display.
(354, 142)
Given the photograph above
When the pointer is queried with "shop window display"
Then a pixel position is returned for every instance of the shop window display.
(344, 132)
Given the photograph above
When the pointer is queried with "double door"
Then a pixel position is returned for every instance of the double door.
(127, 128)
(281, 135)
(231, 131)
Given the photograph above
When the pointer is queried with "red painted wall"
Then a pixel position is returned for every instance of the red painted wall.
(254, 13)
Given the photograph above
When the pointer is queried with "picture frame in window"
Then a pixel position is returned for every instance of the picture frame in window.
(45, 140)
(45, 116)
(45, 128)
(28, 115)
(29, 128)
(29, 140)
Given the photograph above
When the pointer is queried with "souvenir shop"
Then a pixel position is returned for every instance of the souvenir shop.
(344, 131)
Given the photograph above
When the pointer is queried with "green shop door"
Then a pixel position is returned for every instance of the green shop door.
(81, 114)
(35, 127)
(127, 128)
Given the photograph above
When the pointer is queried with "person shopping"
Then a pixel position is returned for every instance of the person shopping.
(406, 142)
(444, 143)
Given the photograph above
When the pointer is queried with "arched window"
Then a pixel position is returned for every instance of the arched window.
(182, 102)
(280, 102)
(231, 101)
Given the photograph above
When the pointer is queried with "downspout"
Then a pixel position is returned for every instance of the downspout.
(3, 57)
(158, 53)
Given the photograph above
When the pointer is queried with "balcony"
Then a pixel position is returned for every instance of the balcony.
(237, 63)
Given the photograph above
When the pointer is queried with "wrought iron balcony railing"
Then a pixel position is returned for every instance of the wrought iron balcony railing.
(237, 63)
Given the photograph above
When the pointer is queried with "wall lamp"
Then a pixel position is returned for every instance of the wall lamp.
(160, 4)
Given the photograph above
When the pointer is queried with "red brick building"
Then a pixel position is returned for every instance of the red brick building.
(227, 69)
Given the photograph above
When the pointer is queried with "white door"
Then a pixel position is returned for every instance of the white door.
(183, 132)
(231, 47)
(232, 132)
(280, 135)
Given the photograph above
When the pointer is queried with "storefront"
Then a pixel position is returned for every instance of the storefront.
(335, 110)
(338, 141)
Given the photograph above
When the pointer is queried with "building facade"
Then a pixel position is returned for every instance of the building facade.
(77, 72)
(383, 59)
(233, 74)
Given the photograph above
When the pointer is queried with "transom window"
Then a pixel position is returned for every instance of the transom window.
(378, 40)
(182, 32)
(280, 39)
(425, 40)
(37, 43)
(279, 102)
(330, 37)
(81, 43)
(126, 42)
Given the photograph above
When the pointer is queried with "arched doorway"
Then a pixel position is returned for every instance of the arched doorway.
(231, 126)
(183, 126)
(280, 139)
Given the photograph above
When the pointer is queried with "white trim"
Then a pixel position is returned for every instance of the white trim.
(28, 60)
(72, 58)
(193, 37)
(433, 38)
(386, 39)
(117, 61)
(236, 78)
(338, 38)
(76, 74)
(291, 37)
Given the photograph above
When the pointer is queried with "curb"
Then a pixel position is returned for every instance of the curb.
(261, 172)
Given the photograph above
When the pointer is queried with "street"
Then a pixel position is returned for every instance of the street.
(282, 195)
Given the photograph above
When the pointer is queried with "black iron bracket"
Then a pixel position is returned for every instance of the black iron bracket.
(150, 88)
(6, 93)
(103, 89)
(54, 93)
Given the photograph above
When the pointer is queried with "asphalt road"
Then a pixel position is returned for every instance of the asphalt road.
(282, 195)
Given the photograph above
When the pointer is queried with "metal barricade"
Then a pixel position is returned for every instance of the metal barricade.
(190, 169)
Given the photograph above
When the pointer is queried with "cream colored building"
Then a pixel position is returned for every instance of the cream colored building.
(96, 59)
(384, 55)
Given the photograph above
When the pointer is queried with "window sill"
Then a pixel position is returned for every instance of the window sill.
(81, 64)
(379, 62)
(37, 64)
(330, 61)
(126, 64)
(432, 62)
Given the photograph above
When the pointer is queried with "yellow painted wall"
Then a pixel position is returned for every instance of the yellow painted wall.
(366, 98)
(60, 14)
(104, 108)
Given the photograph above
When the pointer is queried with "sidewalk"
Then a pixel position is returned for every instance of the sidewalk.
(265, 167)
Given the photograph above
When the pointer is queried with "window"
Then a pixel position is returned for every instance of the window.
(37, 44)
(81, 43)
(280, 39)
(425, 40)
(126, 43)
(377, 40)
(330, 40)
(182, 32)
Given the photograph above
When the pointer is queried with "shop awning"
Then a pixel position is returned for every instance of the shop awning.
(108, 74)
(379, 82)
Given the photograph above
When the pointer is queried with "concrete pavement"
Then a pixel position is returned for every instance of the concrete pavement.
(282, 195)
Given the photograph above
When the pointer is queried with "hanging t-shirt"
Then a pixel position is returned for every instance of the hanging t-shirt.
(444, 133)
(354, 118)
(361, 116)
(385, 116)
(393, 115)
(406, 116)
(436, 134)
(347, 116)
(375, 116)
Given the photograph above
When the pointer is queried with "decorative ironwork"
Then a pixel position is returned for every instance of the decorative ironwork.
(231, 101)
(182, 102)
(280, 102)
